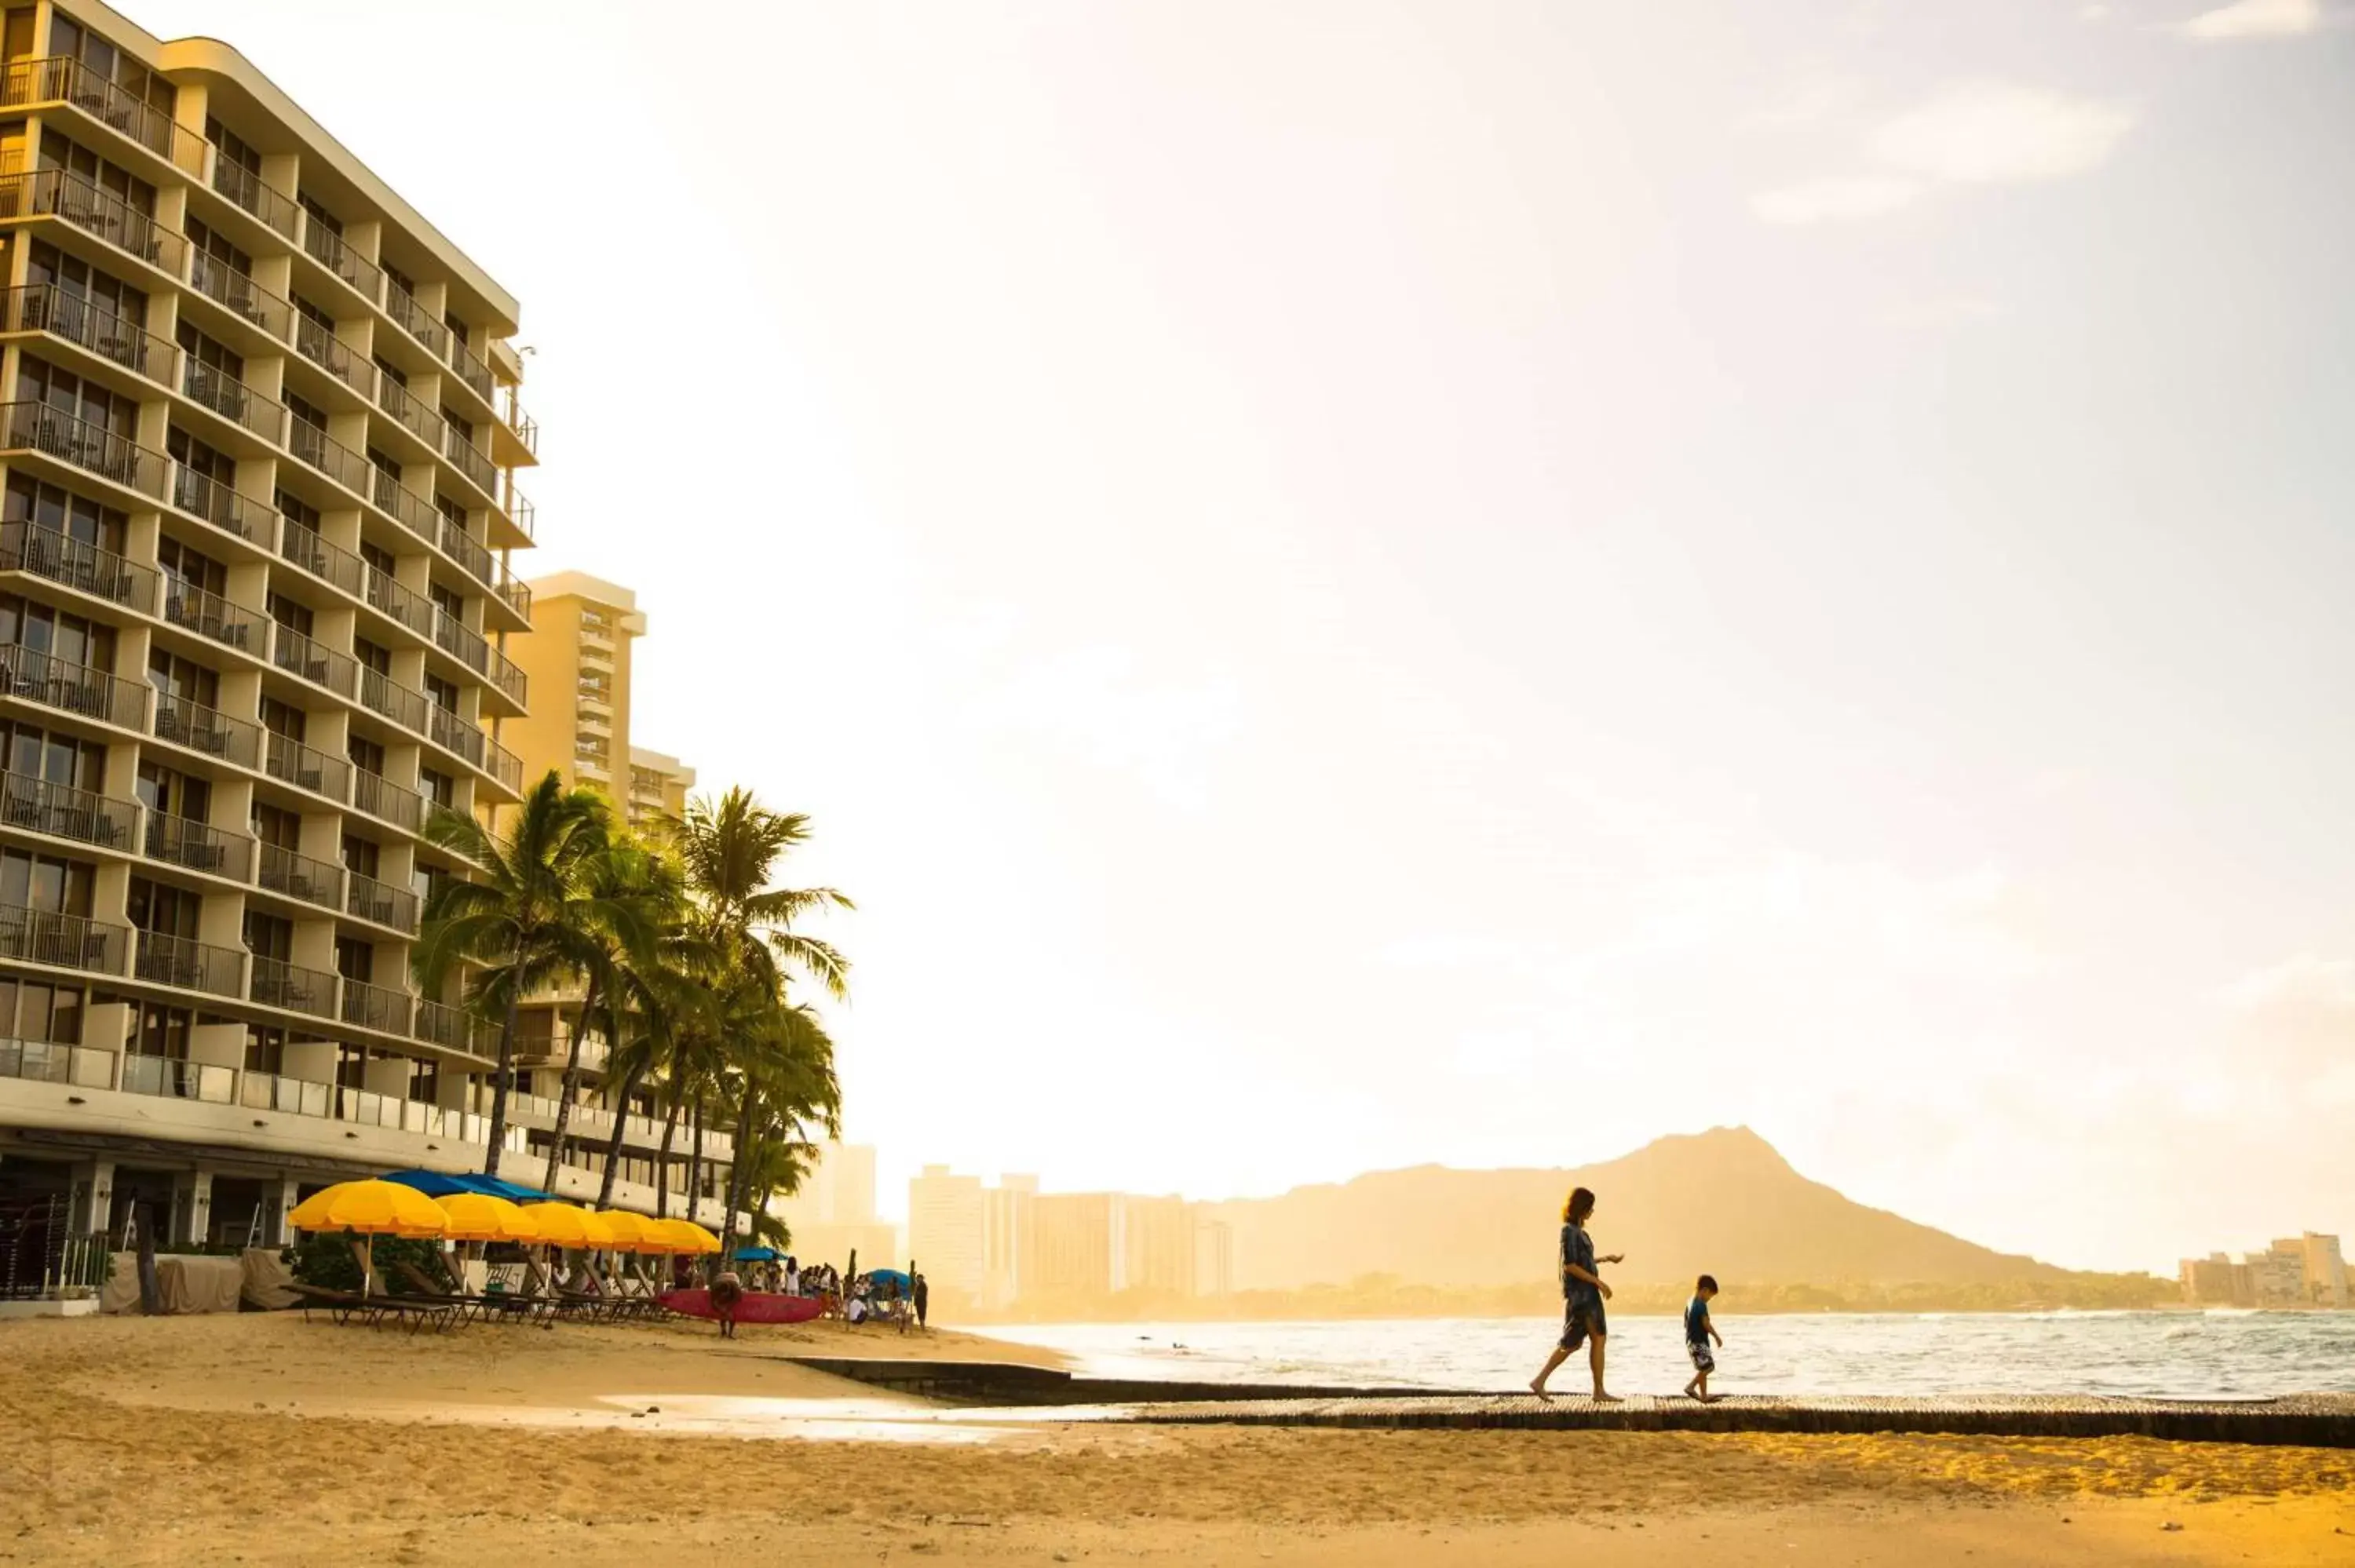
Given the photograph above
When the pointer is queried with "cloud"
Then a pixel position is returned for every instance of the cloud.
(2255, 19)
(1814, 201)
(1992, 133)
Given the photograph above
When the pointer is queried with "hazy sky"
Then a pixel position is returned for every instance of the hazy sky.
(1354, 584)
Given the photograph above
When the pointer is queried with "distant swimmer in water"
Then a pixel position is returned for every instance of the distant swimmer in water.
(1583, 1296)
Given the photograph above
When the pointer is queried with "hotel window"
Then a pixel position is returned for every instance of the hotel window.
(297, 511)
(426, 1082)
(464, 428)
(48, 882)
(310, 413)
(389, 371)
(380, 559)
(376, 660)
(191, 567)
(209, 353)
(457, 329)
(183, 680)
(438, 788)
(35, 1009)
(162, 910)
(63, 392)
(445, 694)
(293, 617)
(44, 629)
(62, 512)
(167, 793)
(356, 960)
(265, 1050)
(214, 246)
(284, 718)
(74, 276)
(366, 755)
(277, 827)
(361, 855)
(234, 149)
(320, 215)
(64, 759)
(269, 936)
(200, 458)
(160, 1031)
(449, 603)
(58, 151)
(101, 58)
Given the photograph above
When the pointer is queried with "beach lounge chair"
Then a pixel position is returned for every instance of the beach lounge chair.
(423, 1288)
(338, 1305)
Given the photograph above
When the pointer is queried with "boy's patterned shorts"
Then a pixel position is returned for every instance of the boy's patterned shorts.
(1702, 1361)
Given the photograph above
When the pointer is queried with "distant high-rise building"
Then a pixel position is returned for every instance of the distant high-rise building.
(2322, 1269)
(946, 1232)
(658, 786)
(1009, 1239)
(1214, 1257)
(1079, 1247)
(578, 659)
(2208, 1281)
(2269, 1279)
(1157, 1238)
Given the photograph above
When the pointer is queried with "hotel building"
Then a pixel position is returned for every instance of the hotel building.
(258, 454)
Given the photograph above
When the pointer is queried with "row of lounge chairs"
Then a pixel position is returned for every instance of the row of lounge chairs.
(417, 1300)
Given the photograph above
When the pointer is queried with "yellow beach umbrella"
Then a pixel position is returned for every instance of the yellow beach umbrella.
(631, 1232)
(597, 1230)
(371, 1208)
(685, 1236)
(479, 1217)
(561, 1224)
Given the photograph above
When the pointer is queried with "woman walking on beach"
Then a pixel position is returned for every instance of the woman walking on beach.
(1583, 1296)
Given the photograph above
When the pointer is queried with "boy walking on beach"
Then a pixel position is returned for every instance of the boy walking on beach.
(1700, 1329)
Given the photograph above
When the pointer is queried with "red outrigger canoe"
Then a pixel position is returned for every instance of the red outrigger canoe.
(752, 1306)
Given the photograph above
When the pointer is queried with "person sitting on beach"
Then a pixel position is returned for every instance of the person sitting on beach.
(1700, 1329)
(1583, 1296)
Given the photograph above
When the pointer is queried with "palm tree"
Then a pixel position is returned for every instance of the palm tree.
(529, 918)
(730, 848)
(647, 1008)
(784, 1079)
(636, 890)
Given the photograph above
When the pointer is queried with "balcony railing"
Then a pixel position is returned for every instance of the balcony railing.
(325, 246)
(233, 400)
(169, 1078)
(322, 348)
(365, 898)
(456, 735)
(411, 415)
(472, 649)
(401, 704)
(273, 207)
(515, 593)
(290, 761)
(374, 1007)
(300, 656)
(472, 371)
(468, 552)
(526, 428)
(212, 500)
(387, 596)
(328, 562)
(299, 877)
(204, 731)
(329, 456)
(46, 307)
(190, 965)
(388, 801)
(62, 941)
(46, 1062)
(62, 79)
(471, 460)
(39, 806)
(196, 846)
(39, 677)
(48, 192)
(453, 1030)
(37, 427)
(293, 1097)
(237, 293)
(86, 568)
(408, 508)
(209, 616)
(402, 306)
(277, 983)
(519, 507)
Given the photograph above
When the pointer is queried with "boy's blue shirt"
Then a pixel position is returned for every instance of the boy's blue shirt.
(1696, 1322)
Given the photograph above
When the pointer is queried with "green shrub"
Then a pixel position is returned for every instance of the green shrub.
(326, 1260)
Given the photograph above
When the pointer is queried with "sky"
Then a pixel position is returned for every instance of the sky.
(1353, 584)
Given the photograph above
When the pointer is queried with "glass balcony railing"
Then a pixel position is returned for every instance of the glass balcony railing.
(167, 1078)
(48, 1062)
(374, 1007)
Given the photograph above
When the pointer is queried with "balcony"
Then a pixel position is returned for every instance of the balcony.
(36, 427)
(409, 413)
(389, 598)
(209, 616)
(59, 79)
(46, 307)
(522, 426)
(168, 1078)
(325, 246)
(470, 368)
(206, 732)
(212, 501)
(473, 651)
(233, 400)
(455, 735)
(382, 695)
(237, 294)
(290, 762)
(471, 460)
(299, 656)
(274, 207)
(408, 508)
(329, 456)
(46, 1062)
(277, 983)
(85, 568)
(468, 552)
(365, 898)
(54, 193)
(322, 348)
(37, 677)
(193, 846)
(329, 563)
(518, 508)
(62, 941)
(454, 1029)
(299, 877)
(374, 1007)
(403, 308)
(190, 965)
(388, 801)
(37, 806)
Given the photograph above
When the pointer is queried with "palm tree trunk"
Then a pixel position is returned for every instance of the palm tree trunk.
(571, 1078)
(661, 1164)
(613, 1144)
(694, 1165)
(737, 1169)
(499, 1089)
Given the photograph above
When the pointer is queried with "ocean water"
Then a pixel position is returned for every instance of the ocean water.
(2175, 1355)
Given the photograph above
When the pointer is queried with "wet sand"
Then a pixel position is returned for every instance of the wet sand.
(262, 1440)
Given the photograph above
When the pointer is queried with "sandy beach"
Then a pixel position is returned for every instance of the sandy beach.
(258, 1439)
